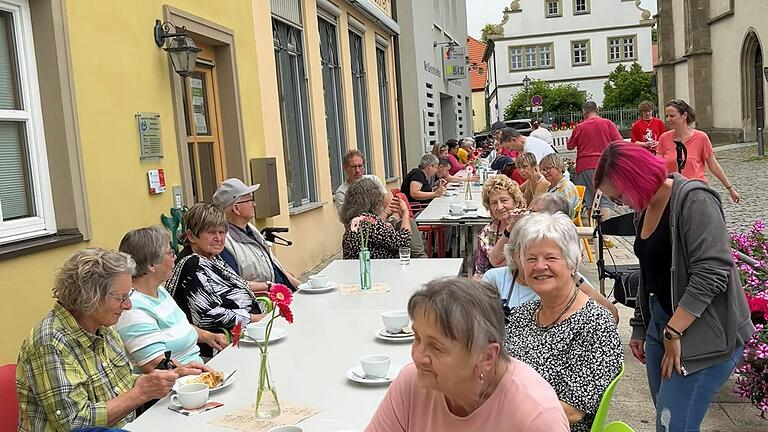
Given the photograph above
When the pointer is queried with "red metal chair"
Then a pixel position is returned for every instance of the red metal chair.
(9, 409)
(432, 232)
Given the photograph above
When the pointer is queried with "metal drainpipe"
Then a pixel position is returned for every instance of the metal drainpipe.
(760, 143)
(399, 85)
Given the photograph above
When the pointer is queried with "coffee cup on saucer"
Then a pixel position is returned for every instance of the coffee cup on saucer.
(470, 205)
(256, 330)
(376, 365)
(456, 209)
(395, 320)
(287, 428)
(191, 396)
(318, 281)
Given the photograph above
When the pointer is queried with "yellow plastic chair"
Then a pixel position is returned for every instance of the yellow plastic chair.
(618, 426)
(605, 404)
(577, 220)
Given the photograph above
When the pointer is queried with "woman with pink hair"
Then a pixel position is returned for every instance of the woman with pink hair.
(691, 318)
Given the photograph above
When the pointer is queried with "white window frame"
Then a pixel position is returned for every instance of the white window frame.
(622, 47)
(587, 53)
(44, 222)
(559, 13)
(524, 54)
(587, 8)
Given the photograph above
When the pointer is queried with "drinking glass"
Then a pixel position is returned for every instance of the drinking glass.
(405, 255)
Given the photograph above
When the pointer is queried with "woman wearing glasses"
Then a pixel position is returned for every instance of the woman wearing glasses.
(691, 318)
(73, 371)
(552, 167)
(688, 150)
(155, 324)
(209, 291)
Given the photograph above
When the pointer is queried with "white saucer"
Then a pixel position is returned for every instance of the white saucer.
(183, 380)
(277, 334)
(450, 193)
(309, 289)
(357, 375)
(385, 335)
(451, 217)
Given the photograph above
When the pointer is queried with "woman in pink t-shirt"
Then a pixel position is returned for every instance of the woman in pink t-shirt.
(461, 379)
(688, 150)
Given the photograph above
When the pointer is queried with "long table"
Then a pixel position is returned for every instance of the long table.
(435, 214)
(331, 332)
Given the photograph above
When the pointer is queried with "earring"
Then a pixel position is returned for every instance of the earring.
(482, 378)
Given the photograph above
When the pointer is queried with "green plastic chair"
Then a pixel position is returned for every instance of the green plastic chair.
(605, 404)
(618, 426)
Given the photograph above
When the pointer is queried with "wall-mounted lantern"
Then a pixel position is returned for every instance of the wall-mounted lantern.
(179, 46)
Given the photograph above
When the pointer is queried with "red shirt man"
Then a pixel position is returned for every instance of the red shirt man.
(647, 130)
(591, 137)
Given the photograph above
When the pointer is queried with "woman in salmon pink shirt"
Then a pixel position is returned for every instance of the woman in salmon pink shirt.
(688, 150)
(461, 379)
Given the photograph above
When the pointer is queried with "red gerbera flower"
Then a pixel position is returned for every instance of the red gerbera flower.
(280, 294)
(285, 312)
(236, 331)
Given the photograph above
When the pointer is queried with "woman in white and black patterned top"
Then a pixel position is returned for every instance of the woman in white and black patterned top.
(568, 338)
(209, 292)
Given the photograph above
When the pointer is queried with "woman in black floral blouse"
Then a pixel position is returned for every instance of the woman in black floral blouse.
(364, 198)
(568, 338)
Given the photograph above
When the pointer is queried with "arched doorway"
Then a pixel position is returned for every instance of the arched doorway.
(753, 95)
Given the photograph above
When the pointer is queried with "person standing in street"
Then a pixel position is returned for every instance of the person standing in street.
(513, 140)
(647, 130)
(541, 132)
(590, 138)
(688, 150)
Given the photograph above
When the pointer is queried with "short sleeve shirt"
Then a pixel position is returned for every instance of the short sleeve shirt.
(418, 175)
(699, 150)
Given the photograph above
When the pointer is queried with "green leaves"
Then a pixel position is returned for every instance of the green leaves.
(556, 98)
(627, 87)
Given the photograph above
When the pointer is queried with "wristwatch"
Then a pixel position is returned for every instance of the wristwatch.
(269, 284)
(668, 335)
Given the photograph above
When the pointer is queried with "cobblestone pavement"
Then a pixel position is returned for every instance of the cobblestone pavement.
(749, 174)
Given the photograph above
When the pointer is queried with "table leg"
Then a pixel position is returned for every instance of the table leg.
(470, 248)
(461, 248)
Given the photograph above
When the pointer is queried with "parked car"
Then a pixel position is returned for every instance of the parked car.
(522, 125)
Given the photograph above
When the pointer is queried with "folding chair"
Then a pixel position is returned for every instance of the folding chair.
(432, 232)
(605, 403)
(577, 220)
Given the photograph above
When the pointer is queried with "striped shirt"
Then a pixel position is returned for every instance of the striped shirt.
(567, 189)
(65, 375)
(155, 325)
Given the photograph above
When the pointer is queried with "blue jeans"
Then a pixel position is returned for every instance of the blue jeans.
(681, 401)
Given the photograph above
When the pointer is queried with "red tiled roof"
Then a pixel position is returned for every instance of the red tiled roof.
(478, 70)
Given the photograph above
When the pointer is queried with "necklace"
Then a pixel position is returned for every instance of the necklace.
(560, 315)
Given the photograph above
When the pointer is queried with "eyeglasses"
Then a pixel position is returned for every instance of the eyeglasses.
(546, 169)
(123, 299)
(250, 200)
(616, 201)
(171, 253)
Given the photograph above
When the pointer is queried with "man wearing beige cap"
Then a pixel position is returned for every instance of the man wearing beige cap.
(246, 250)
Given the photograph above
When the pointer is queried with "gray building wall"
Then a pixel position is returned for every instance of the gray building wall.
(434, 109)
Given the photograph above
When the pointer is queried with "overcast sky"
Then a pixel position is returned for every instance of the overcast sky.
(482, 12)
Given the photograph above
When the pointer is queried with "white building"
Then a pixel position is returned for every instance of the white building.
(434, 106)
(565, 41)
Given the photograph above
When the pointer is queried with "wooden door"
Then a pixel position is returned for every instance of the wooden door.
(202, 116)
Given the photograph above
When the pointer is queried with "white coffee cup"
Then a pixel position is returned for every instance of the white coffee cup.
(191, 396)
(286, 428)
(318, 281)
(256, 330)
(456, 208)
(470, 205)
(375, 365)
(395, 320)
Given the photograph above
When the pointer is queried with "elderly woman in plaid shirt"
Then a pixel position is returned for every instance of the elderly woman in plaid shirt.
(73, 370)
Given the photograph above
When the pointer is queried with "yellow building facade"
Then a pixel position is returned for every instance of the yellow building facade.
(90, 72)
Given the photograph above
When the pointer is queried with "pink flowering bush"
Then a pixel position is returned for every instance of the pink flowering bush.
(752, 381)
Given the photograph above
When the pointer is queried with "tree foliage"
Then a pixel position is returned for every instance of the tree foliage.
(556, 98)
(627, 87)
(487, 29)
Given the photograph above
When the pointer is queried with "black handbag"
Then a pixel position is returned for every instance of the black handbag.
(625, 288)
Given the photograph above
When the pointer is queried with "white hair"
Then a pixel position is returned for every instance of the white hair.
(558, 227)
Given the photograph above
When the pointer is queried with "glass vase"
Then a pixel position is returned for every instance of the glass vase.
(468, 190)
(365, 269)
(267, 402)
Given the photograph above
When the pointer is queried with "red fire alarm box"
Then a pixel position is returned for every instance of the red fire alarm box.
(156, 179)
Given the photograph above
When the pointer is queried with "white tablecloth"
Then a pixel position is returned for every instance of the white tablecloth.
(330, 334)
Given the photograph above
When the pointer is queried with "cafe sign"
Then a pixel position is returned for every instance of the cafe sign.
(454, 62)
